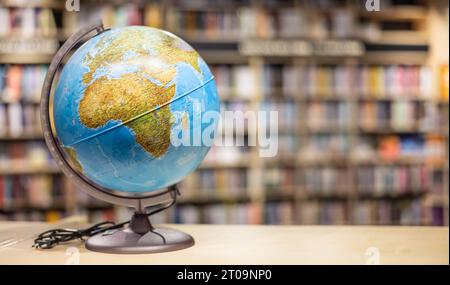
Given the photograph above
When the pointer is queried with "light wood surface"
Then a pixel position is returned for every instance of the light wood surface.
(235, 244)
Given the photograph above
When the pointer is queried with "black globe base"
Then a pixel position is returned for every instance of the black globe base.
(126, 241)
(139, 237)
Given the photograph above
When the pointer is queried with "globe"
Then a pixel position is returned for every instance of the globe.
(118, 104)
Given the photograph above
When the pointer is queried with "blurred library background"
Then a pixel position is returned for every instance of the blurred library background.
(362, 99)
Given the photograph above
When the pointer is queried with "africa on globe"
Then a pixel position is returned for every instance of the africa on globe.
(115, 103)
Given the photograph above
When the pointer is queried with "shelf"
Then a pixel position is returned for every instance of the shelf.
(323, 160)
(385, 195)
(332, 97)
(398, 161)
(25, 58)
(203, 38)
(15, 209)
(26, 169)
(223, 57)
(395, 57)
(285, 193)
(347, 161)
(52, 4)
(61, 207)
(328, 129)
(196, 6)
(232, 164)
(390, 130)
(213, 199)
(26, 136)
(437, 199)
(397, 98)
(23, 102)
(340, 194)
(323, 196)
(400, 38)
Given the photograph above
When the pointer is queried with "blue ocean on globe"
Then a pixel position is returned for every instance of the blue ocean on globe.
(114, 105)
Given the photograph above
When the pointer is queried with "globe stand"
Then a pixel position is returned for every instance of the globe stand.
(128, 241)
(140, 236)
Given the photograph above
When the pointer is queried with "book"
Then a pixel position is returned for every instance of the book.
(27, 22)
(153, 16)
(21, 82)
(443, 82)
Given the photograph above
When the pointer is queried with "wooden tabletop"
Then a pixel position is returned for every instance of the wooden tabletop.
(236, 244)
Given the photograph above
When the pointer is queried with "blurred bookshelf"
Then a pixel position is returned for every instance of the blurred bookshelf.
(362, 100)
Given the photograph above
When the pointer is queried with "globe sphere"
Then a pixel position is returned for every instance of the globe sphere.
(118, 105)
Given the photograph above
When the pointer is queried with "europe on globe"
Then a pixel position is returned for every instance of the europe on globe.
(114, 105)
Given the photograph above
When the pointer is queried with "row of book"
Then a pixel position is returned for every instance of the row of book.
(429, 148)
(370, 180)
(340, 182)
(17, 119)
(36, 191)
(289, 143)
(324, 145)
(24, 82)
(392, 179)
(367, 115)
(422, 149)
(277, 180)
(288, 113)
(379, 212)
(327, 180)
(334, 115)
(400, 115)
(128, 14)
(370, 212)
(313, 181)
(25, 154)
(382, 212)
(235, 80)
(247, 22)
(33, 193)
(426, 148)
(27, 22)
(21, 82)
(396, 81)
(354, 80)
(240, 23)
(215, 182)
(33, 215)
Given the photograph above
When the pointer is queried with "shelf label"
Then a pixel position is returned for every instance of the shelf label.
(28, 46)
(302, 48)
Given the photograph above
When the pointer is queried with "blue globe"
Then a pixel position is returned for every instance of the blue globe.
(120, 103)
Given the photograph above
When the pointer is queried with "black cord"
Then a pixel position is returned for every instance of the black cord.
(51, 238)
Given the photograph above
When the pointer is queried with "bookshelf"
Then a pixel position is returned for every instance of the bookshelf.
(363, 111)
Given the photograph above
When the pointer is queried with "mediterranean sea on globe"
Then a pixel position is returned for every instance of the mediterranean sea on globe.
(114, 106)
